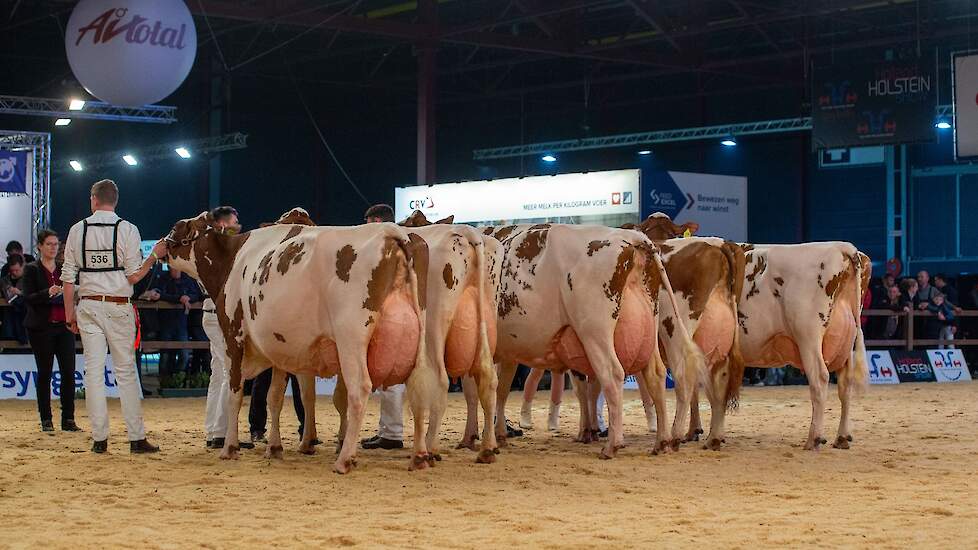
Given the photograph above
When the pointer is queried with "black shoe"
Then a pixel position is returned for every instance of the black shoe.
(378, 442)
(142, 447)
(69, 426)
(241, 444)
(316, 441)
(258, 437)
(100, 446)
(603, 433)
(512, 431)
(47, 426)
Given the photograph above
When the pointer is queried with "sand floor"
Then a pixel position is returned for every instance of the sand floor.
(911, 478)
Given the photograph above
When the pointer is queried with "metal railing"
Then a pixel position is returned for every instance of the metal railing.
(908, 341)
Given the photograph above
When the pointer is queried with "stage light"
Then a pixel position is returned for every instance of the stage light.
(729, 142)
(130, 160)
(645, 152)
(76, 105)
(548, 158)
(183, 152)
(62, 122)
(75, 165)
(943, 124)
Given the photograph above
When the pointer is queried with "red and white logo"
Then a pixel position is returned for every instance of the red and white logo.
(616, 198)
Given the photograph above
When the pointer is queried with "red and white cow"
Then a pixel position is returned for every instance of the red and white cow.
(707, 273)
(317, 300)
(800, 305)
(583, 298)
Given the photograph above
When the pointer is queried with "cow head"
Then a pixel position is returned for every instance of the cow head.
(180, 242)
(416, 219)
(297, 216)
(659, 227)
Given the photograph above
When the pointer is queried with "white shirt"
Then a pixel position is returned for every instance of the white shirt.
(106, 283)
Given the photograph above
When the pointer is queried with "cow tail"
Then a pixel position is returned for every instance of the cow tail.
(860, 369)
(735, 360)
(693, 360)
(416, 253)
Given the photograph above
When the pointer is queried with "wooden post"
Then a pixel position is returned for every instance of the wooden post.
(910, 330)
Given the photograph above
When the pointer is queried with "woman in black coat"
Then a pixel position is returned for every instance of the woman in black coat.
(48, 334)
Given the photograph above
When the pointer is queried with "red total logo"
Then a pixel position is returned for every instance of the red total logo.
(137, 30)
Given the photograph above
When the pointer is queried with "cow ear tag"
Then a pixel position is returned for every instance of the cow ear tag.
(687, 234)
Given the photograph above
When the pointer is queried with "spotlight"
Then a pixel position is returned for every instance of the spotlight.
(548, 158)
(183, 152)
(76, 105)
(75, 165)
(729, 142)
(62, 122)
(943, 124)
(645, 152)
(130, 160)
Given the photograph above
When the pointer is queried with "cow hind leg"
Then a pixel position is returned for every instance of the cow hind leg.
(584, 405)
(353, 361)
(276, 396)
(654, 379)
(718, 410)
(818, 385)
(423, 388)
(845, 384)
(437, 412)
(471, 392)
(611, 376)
(648, 404)
(695, 420)
(340, 404)
(231, 447)
(486, 380)
(506, 371)
(307, 387)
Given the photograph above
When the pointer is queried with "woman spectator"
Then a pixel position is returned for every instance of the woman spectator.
(48, 334)
(897, 302)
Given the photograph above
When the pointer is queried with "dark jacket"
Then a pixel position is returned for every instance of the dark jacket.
(35, 285)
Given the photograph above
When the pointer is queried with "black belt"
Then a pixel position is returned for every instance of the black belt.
(210, 311)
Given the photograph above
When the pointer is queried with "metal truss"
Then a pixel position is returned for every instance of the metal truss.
(39, 145)
(196, 147)
(95, 110)
(660, 136)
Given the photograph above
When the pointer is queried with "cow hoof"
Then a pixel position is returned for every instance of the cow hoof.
(841, 443)
(814, 444)
(339, 446)
(713, 444)
(495, 451)
(675, 443)
(849, 438)
(486, 457)
(345, 467)
(433, 457)
(274, 451)
(467, 443)
(661, 448)
(310, 449)
(605, 455)
(229, 453)
(419, 462)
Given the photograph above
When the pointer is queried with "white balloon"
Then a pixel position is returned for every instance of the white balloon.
(131, 52)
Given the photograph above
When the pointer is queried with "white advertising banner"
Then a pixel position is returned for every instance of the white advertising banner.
(585, 194)
(717, 203)
(18, 377)
(966, 106)
(15, 213)
(881, 370)
(949, 365)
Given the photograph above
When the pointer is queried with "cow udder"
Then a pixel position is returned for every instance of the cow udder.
(394, 343)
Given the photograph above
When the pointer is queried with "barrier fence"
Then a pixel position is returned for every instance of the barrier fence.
(909, 341)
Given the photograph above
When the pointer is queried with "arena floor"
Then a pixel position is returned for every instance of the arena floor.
(911, 479)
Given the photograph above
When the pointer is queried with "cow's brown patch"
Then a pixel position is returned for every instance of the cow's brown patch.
(777, 293)
(344, 262)
(382, 276)
(594, 246)
(231, 326)
(835, 283)
(252, 307)
(758, 269)
(670, 327)
(742, 320)
(417, 248)
(265, 267)
(369, 321)
(695, 270)
(779, 280)
(292, 255)
(293, 232)
(540, 226)
(532, 244)
(508, 301)
(261, 296)
(747, 247)
(665, 249)
(614, 288)
(279, 337)
(570, 284)
(488, 230)
(446, 221)
(660, 228)
(504, 232)
(752, 292)
(448, 277)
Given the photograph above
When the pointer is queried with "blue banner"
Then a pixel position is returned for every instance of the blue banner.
(13, 172)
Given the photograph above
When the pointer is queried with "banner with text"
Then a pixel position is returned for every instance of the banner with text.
(881, 369)
(966, 106)
(949, 365)
(872, 104)
(16, 206)
(18, 377)
(585, 194)
(717, 203)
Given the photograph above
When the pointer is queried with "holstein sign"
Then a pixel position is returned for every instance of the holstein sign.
(131, 52)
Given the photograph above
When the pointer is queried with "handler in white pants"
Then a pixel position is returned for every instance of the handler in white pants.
(103, 252)
(390, 433)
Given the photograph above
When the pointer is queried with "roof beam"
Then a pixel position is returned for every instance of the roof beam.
(650, 12)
